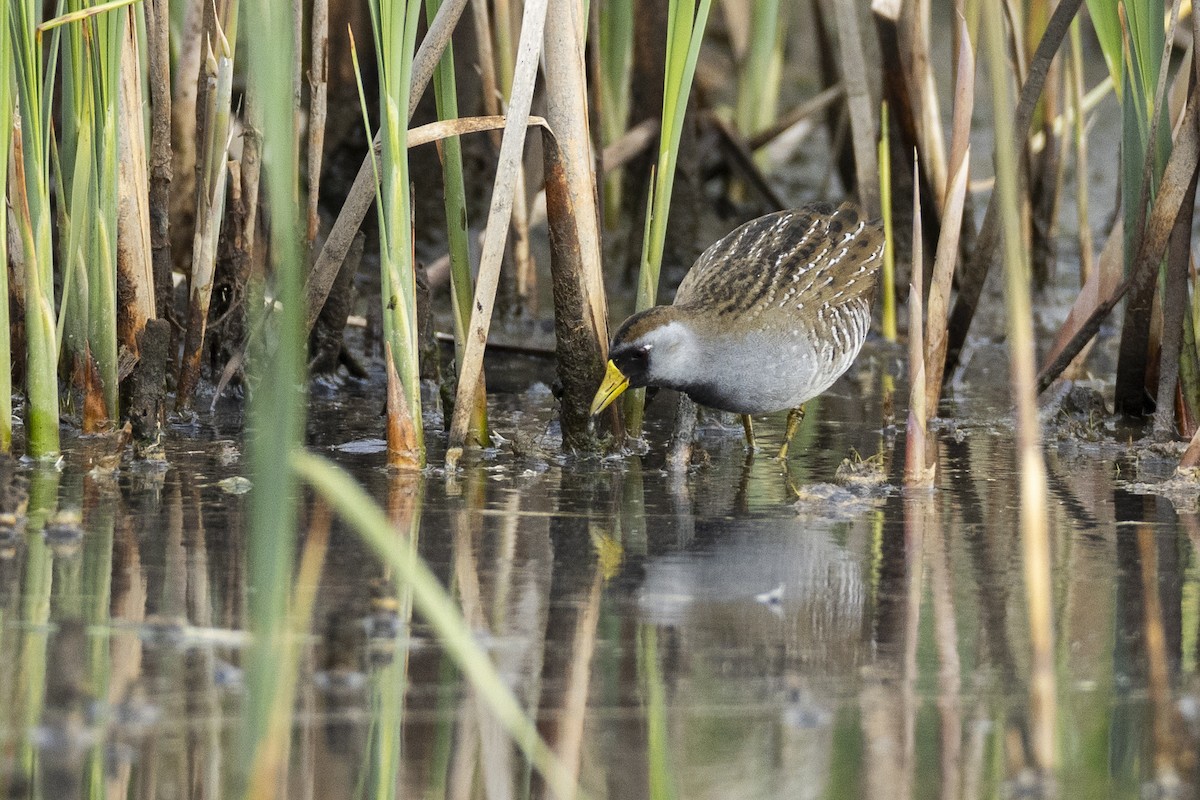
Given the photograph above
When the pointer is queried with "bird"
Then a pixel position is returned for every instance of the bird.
(766, 319)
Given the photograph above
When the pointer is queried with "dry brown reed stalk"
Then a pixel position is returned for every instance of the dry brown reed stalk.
(1101, 285)
(189, 73)
(362, 193)
(1174, 185)
(158, 60)
(863, 124)
(1174, 308)
(952, 216)
(135, 269)
(915, 21)
(318, 82)
(976, 267)
(580, 305)
(499, 217)
(1179, 370)
(906, 138)
(523, 285)
(1035, 532)
(918, 472)
(835, 116)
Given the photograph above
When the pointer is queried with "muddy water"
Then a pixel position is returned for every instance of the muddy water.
(697, 635)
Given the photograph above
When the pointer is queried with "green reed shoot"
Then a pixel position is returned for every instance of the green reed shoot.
(91, 55)
(394, 25)
(277, 404)
(685, 30)
(757, 101)
(1138, 78)
(6, 122)
(616, 66)
(457, 234)
(34, 216)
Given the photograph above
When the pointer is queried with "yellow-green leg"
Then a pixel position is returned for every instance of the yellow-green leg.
(794, 418)
(748, 426)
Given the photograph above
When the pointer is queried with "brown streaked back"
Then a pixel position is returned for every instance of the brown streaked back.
(795, 261)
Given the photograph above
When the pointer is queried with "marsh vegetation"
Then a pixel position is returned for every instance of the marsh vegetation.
(308, 302)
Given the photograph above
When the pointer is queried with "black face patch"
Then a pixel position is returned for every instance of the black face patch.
(634, 363)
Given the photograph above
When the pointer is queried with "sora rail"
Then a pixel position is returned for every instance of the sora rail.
(766, 319)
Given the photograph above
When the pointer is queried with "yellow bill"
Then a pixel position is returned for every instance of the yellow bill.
(611, 387)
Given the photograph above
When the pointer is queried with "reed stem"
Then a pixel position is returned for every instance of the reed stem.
(1035, 534)
(686, 22)
(31, 186)
(458, 237)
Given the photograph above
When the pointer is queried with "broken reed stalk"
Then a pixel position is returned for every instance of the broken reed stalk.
(394, 24)
(318, 83)
(499, 215)
(888, 278)
(362, 193)
(580, 306)
(975, 269)
(918, 472)
(685, 31)
(7, 105)
(953, 204)
(457, 235)
(210, 207)
(276, 408)
(1035, 533)
(135, 267)
(31, 201)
